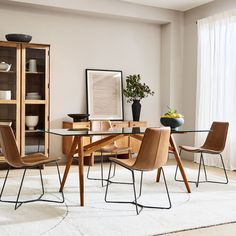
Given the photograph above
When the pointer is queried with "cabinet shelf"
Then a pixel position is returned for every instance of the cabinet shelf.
(34, 73)
(32, 131)
(7, 72)
(35, 102)
(8, 102)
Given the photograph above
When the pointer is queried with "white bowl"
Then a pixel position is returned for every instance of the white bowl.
(33, 97)
(5, 94)
(31, 121)
(32, 94)
(4, 66)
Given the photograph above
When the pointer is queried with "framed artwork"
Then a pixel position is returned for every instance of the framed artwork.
(104, 94)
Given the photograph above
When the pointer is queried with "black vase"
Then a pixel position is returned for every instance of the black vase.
(136, 109)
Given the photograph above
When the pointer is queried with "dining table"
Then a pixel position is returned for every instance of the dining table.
(108, 137)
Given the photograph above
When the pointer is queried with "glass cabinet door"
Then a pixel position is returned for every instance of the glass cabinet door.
(35, 97)
(10, 86)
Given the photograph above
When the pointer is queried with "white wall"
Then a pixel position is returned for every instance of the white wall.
(190, 57)
(102, 34)
(80, 42)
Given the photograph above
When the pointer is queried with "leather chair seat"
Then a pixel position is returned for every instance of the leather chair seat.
(124, 162)
(198, 150)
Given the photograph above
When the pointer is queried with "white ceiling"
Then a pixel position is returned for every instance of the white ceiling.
(180, 5)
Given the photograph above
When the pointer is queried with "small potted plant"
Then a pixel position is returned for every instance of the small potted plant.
(172, 118)
(135, 91)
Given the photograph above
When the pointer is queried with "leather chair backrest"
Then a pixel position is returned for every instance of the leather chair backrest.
(9, 123)
(9, 147)
(216, 139)
(153, 152)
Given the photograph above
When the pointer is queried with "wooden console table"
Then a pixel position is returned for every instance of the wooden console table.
(122, 142)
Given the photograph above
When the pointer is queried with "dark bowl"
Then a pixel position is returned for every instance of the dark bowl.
(174, 123)
(19, 37)
(78, 117)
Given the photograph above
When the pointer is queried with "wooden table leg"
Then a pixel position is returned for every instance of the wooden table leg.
(81, 169)
(69, 161)
(179, 162)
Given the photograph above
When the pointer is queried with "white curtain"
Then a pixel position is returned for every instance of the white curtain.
(216, 81)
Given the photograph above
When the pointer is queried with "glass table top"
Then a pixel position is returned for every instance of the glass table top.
(86, 132)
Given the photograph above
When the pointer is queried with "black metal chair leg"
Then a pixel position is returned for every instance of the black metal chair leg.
(102, 179)
(48, 200)
(195, 182)
(141, 184)
(199, 171)
(41, 178)
(168, 195)
(4, 183)
(19, 203)
(114, 169)
(227, 180)
(135, 196)
(88, 171)
(167, 191)
(205, 172)
(135, 202)
(108, 181)
(204, 167)
(59, 177)
(226, 177)
(102, 168)
(18, 195)
(176, 171)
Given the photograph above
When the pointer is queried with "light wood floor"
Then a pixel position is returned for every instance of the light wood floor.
(223, 230)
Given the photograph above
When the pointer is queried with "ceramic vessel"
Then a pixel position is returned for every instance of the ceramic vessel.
(19, 37)
(33, 96)
(4, 66)
(31, 121)
(32, 65)
(5, 94)
(136, 109)
(79, 117)
(174, 123)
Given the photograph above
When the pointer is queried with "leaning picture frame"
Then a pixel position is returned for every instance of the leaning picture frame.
(104, 94)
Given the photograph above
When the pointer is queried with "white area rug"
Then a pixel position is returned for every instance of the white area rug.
(210, 204)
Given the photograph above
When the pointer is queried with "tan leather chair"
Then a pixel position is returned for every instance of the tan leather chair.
(13, 158)
(214, 144)
(152, 155)
(112, 148)
(8, 123)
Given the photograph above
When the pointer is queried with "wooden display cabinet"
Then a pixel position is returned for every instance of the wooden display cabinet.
(20, 81)
(35, 82)
(10, 53)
